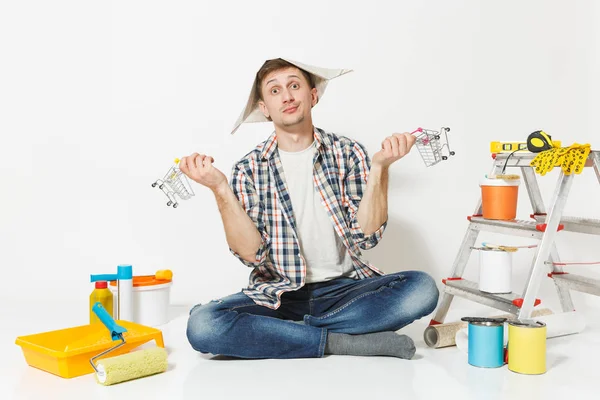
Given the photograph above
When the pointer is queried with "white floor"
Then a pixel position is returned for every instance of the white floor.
(434, 373)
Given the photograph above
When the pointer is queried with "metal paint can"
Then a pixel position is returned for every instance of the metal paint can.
(486, 342)
(527, 347)
(495, 271)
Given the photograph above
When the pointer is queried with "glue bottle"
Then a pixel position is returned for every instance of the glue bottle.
(101, 294)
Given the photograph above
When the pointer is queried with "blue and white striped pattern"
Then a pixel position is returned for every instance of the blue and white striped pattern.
(341, 167)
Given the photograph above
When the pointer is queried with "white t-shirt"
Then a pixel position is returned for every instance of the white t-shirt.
(325, 254)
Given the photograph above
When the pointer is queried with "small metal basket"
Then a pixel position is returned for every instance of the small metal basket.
(433, 145)
(174, 183)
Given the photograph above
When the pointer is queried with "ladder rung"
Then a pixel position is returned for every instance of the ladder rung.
(469, 290)
(575, 224)
(515, 227)
(577, 282)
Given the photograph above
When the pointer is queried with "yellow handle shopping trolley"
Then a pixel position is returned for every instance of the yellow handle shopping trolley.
(175, 183)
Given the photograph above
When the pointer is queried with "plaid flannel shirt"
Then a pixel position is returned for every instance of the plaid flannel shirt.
(341, 167)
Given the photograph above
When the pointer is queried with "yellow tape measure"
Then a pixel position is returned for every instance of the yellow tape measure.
(539, 141)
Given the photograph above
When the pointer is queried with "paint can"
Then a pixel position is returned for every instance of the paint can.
(527, 347)
(495, 271)
(486, 341)
(151, 299)
(499, 198)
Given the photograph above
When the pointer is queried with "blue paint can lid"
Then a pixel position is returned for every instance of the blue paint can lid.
(487, 323)
(483, 321)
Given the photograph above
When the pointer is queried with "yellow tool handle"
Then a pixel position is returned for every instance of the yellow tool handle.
(509, 147)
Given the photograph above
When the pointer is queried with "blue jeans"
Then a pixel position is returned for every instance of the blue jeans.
(236, 326)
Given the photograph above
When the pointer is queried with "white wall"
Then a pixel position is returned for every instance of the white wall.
(98, 98)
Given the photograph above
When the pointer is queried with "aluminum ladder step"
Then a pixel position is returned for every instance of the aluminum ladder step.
(530, 229)
(575, 224)
(509, 302)
(577, 282)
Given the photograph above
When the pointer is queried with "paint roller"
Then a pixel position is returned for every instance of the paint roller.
(125, 367)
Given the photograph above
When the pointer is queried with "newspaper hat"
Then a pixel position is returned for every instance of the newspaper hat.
(321, 77)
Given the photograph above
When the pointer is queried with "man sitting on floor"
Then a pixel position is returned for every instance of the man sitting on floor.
(298, 210)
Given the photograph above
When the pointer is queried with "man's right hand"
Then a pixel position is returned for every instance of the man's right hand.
(199, 168)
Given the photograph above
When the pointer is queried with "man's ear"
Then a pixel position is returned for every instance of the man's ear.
(263, 108)
(314, 97)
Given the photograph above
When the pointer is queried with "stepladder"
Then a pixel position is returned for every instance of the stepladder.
(544, 226)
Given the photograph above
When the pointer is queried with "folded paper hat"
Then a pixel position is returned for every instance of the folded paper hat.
(321, 77)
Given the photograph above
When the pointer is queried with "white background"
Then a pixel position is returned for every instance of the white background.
(98, 98)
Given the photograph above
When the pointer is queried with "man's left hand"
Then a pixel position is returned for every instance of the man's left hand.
(393, 148)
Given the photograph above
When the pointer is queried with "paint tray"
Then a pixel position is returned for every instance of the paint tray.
(67, 352)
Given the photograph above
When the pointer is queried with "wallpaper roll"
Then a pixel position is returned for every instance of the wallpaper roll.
(444, 335)
(566, 323)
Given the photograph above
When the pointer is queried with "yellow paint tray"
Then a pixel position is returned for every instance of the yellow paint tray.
(67, 352)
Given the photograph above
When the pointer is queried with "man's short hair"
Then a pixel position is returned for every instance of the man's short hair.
(275, 65)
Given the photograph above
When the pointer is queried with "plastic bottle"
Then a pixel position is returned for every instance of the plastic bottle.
(101, 294)
(125, 291)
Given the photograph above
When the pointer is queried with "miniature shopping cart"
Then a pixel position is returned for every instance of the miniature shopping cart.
(433, 145)
(175, 183)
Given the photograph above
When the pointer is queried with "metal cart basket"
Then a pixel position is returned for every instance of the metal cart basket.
(175, 183)
(433, 145)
